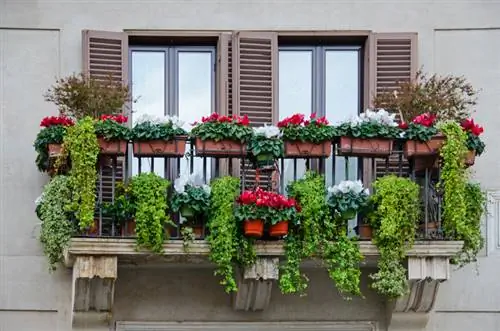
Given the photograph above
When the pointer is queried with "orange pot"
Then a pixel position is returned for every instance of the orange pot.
(371, 147)
(365, 231)
(279, 229)
(220, 148)
(112, 147)
(431, 147)
(297, 148)
(54, 150)
(253, 228)
(176, 147)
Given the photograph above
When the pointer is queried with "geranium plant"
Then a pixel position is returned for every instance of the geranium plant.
(155, 128)
(54, 129)
(111, 127)
(370, 124)
(315, 130)
(347, 198)
(421, 128)
(191, 197)
(266, 144)
(474, 143)
(219, 127)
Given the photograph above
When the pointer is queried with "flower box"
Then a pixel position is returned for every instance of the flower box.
(370, 147)
(161, 148)
(221, 148)
(299, 149)
(414, 148)
(112, 147)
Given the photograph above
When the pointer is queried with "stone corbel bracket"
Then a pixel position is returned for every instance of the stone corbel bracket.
(93, 289)
(255, 285)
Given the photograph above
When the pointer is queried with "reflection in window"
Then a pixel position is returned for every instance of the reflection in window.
(295, 96)
(148, 88)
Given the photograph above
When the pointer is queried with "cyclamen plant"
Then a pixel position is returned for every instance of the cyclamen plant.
(266, 143)
(474, 143)
(219, 127)
(155, 128)
(371, 124)
(191, 197)
(421, 128)
(267, 206)
(110, 127)
(315, 130)
(348, 198)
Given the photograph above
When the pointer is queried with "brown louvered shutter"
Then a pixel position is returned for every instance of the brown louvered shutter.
(223, 86)
(105, 55)
(254, 85)
(394, 59)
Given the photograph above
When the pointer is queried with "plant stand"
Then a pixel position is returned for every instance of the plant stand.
(373, 147)
(297, 149)
(161, 148)
(221, 148)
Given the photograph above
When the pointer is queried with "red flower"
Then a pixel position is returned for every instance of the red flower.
(403, 125)
(425, 119)
(56, 120)
(120, 119)
(321, 121)
(296, 119)
(469, 126)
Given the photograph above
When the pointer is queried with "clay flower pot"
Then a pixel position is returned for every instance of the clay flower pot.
(221, 148)
(159, 148)
(253, 228)
(365, 231)
(279, 229)
(54, 150)
(112, 147)
(297, 149)
(370, 147)
(414, 148)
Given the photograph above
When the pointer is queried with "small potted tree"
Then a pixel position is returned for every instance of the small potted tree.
(48, 142)
(192, 200)
(159, 136)
(475, 145)
(371, 134)
(112, 134)
(265, 146)
(221, 136)
(306, 138)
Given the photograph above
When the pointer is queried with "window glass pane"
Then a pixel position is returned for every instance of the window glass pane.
(195, 98)
(341, 102)
(295, 96)
(148, 88)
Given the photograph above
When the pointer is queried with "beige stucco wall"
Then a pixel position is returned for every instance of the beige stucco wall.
(40, 40)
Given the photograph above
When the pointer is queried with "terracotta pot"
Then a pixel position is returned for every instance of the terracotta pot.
(365, 231)
(176, 147)
(253, 228)
(220, 148)
(414, 148)
(296, 148)
(279, 229)
(112, 147)
(54, 150)
(470, 159)
(372, 147)
(128, 229)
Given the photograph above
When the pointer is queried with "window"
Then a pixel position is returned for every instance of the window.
(325, 80)
(172, 81)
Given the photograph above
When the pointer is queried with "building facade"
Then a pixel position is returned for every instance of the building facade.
(314, 53)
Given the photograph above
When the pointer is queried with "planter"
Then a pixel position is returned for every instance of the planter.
(112, 147)
(221, 148)
(54, 150)
(414, 148)
(365, 231)
(159, 148)
(470, 159)
(279, 229)
(253, 228)
(297, 149)
(128, 229)
(372, 147)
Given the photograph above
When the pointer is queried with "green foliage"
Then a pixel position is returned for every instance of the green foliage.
(227, 245)
(474, 143)
(81, 143)
(112, 130)
(261, 145)
(123, 208)
(56, 225)
(149, 192)
(222, 130)
(419, 132)
(312, 132)
(156, 131)
(367, 130)
(320, 235)
(51, 135)
(79, 96)
(196, 198)
(347, 204)
(394, 220)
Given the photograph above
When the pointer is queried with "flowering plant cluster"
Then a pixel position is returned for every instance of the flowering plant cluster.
(155, 128)
(474, 143)
(266, 143)
(370, 124)
(267, 206)
(191, 196)
(110, 127)
(219, 127)
(421, 128)
(49, 121)
(53, 131)
(347, 198)
(315, 130)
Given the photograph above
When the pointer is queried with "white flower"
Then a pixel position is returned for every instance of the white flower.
(380, 116)
(194, 179)
(174, 120)
(347, 186)
(269, 131)
(206, 188)
(39, 200)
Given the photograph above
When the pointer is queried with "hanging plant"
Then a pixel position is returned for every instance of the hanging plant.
(394, 220)
(56, 225)
(266, 145)
(149, 193)
(81, 144)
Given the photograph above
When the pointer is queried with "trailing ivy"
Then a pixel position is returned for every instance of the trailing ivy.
(56, 226)
(149, 192)
(81, 144)
(394, 220)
